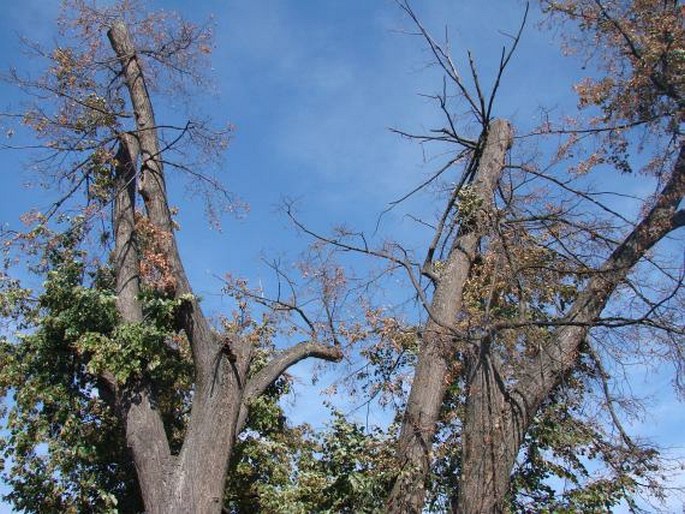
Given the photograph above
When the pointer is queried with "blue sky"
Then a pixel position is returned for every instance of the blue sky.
(312, 87)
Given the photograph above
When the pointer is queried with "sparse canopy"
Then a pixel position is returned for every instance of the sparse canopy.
(530, 291)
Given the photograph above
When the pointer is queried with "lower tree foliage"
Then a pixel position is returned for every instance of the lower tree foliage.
(64, 448)
(294, 470)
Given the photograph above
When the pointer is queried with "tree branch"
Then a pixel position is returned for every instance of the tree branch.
(277, 366)
(544, 372)
(678, 219)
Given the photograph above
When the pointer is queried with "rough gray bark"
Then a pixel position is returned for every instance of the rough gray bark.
(126, 250)
(493, 431)
(439, 340)
(193, 480)
(152, 185)
(497, 417)
(144, 428)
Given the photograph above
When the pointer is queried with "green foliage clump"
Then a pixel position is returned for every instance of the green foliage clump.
(284, 470)
(62, 447)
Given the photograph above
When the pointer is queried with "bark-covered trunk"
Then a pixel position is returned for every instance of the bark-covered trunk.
(144, 428)
(418, 427)
(497, 415)
(194, 480)
(438, 343)
(498, 410)
(493, 431)
(151, 183)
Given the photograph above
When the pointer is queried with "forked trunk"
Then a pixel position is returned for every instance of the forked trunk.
(497, 415)
(440, 343)
(194, 480)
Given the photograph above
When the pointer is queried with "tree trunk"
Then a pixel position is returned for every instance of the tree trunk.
(497, 417)
(126, 259)
(438, 344)
(418, 428)
(145, 434)
(493, 431)
(203, 461)
(152, 187)
(194, 480)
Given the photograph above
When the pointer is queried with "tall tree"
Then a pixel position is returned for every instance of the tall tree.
(528, 278)
(128, 338)
(508, 370)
